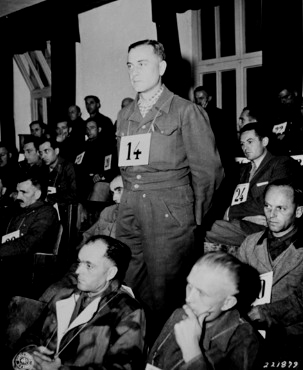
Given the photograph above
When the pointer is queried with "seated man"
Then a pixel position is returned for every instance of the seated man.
(245, 215)
(33, 227)
(8, 167)
(106, 224)
(39, 129)
(62, 188)
(98, 325)
(32, 160)
(69, 147)
(209, 332)
(279, 250)
(97, 165)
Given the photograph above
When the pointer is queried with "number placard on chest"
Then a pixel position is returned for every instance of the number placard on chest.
(134, 150)
(240, 194)
(11, 236)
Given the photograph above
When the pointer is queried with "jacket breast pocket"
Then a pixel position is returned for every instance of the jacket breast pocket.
(165, 141)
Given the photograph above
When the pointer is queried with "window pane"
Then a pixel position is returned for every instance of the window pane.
(209, 82)
(254, 81)
(252, 25)
(227, 28)
(207, 16)
(229, 95)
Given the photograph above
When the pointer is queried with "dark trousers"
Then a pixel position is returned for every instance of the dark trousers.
(158, 226)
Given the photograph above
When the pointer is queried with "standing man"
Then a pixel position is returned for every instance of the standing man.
(170, 170)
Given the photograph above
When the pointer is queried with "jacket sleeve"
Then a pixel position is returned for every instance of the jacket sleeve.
(285, 312)
(203, 158)
(44, 226)
(242, 353)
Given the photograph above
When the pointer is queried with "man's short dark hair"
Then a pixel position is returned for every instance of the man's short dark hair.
(246, 277)
(207, 89)
(38, 122)
(260, 129)
(156, 45)
(96, 99)
(117, 252)
(97, 122)
(51, 140)
(36, 179)
(31, 139)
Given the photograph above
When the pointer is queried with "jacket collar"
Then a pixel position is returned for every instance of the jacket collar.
(296, 238)
(222, 330)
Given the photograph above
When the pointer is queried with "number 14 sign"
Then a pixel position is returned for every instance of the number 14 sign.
(134, 150)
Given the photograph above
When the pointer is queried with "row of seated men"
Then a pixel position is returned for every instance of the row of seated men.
(274, 246)
(231, 319)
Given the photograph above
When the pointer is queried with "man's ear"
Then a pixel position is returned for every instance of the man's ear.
(162, 67)
(111, 273)
(299, 211)
(99, 129)
(70, 130)
(229, 302)
(57, 150)
(38, 194)
(209, 98)
(265, 141)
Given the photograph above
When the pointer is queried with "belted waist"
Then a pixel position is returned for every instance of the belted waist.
(154, 180)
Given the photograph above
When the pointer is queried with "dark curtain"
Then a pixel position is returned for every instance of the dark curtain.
(7, 125)
(282, 47)
(178, 75)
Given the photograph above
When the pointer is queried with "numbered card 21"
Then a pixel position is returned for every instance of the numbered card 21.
(134, 150)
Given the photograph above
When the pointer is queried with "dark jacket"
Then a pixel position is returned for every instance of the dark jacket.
(230, 343)
(271, 168)
(63, 178)
(112, 331)
(38, 225)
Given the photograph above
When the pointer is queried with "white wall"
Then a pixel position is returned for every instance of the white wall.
(106, 33)
(22, 105)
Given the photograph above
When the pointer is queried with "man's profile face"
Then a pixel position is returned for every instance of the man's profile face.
(31, 154)
(4, 156)
(48, 154)
(27, 193)
(280, 210)
(145, 68)
(92, 106)
(253, 147)
(36, 130)
(207, 289)
(116, 188)
(201, 98)
(93, 267)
